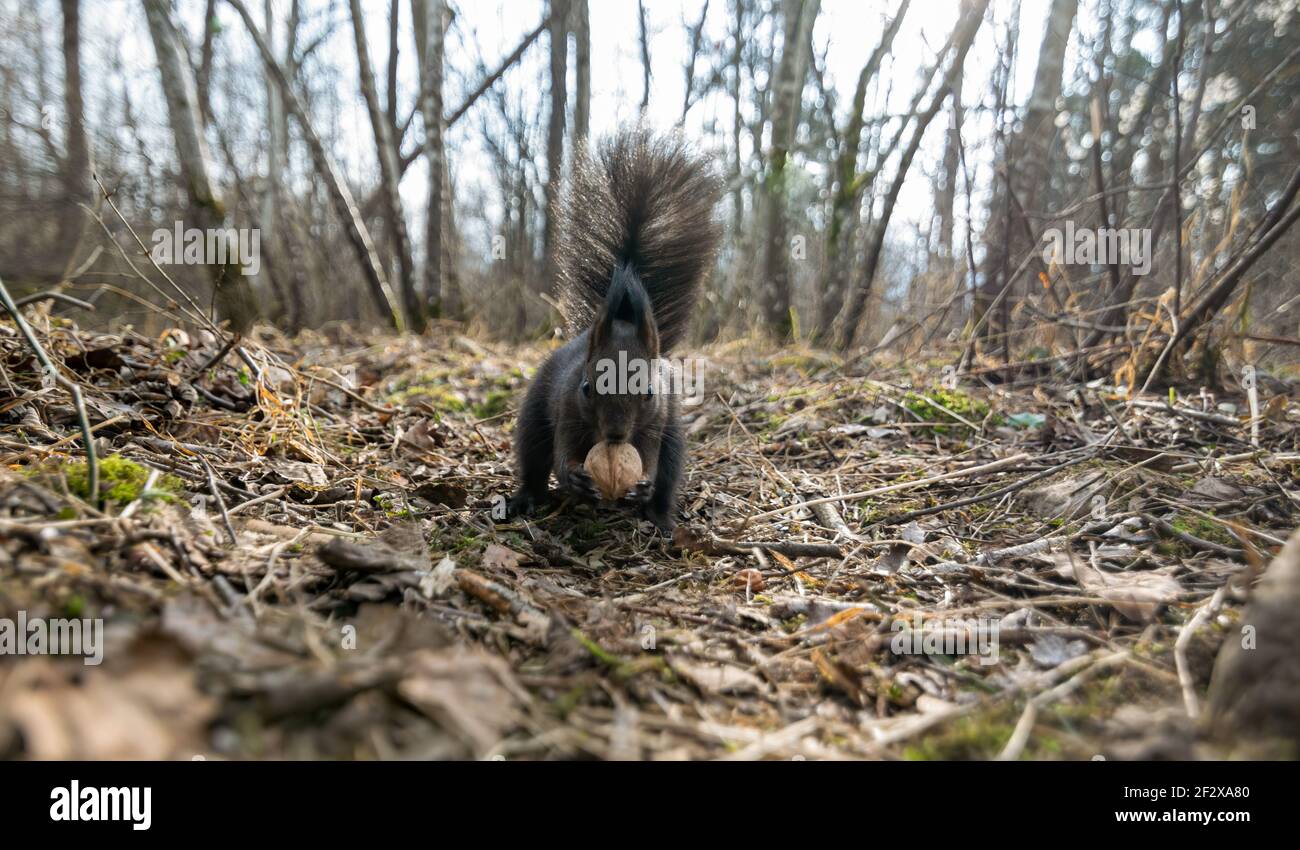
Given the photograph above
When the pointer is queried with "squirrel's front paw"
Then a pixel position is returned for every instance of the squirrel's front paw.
(640, 493)
(578, 481)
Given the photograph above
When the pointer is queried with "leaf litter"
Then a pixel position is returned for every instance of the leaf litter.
(312, 560)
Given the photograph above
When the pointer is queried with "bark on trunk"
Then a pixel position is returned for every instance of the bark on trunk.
(233, 295)
(76, 160)
(787, 100)
(582, 71)
(559, 28)
(435, 161)
(386, 151)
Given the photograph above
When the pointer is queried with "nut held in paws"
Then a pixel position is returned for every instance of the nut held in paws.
(615, 467)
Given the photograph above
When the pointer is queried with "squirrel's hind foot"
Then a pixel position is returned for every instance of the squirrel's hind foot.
(521, 503)
(662, 521)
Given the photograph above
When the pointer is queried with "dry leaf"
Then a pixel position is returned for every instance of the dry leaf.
(1138, 595)
(713, 678)
(468, 692)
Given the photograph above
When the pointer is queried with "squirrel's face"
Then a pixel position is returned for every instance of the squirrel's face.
(621, 387)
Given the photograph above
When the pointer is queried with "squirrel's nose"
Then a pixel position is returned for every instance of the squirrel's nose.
(616, 436)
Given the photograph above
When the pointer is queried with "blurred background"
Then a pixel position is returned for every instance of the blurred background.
(891, 166)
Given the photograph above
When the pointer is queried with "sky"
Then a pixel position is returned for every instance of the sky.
(848, 30)
(486, 30)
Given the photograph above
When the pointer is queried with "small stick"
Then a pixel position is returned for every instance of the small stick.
(710, 545)
(36, 297)
(46, 451)
(92, 462)
(1205, 612)
(995, 466)
(369, 405)
(1191, 466)
(1020, 735)
(262, 499)
(1194, 541)
(221, 503)
(972, 500)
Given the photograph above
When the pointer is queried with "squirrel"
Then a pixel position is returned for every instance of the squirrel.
(637, 232)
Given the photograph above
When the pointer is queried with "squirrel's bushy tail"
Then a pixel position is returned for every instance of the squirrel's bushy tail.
(646, 200)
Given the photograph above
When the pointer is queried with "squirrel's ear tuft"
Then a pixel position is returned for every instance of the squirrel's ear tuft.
(627, 301)
(626, 309)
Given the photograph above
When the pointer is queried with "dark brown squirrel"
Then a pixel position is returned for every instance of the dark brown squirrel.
(637, 233)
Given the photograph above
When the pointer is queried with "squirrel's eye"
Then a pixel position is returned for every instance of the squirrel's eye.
(586, 388)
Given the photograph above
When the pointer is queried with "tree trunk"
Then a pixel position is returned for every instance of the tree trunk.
(737, 122)
(947, 196)
(582, 71)
(206, 53)
(787, 98)
(1024, 161)
(386, 151)
(644, 29)
(434, 154)
(559, 28)
(76, 160)
(233, 294)
(390, 89)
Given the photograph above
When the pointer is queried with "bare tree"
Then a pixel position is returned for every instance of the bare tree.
(339, 194)
(76, 159)
(277, 143)
(644, 28)
(946, 196)
(963, 36)
(694, 39)
(581, 18)
(233, 297)
(433, 13)
(787, 97)
(390, 89)
(848, 187)
(737, 119)
(559, 28)
(1023, 167)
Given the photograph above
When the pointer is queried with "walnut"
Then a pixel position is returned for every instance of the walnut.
(615, 467)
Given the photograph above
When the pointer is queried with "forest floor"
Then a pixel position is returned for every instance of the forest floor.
(301, 554)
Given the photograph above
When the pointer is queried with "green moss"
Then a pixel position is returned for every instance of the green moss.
(121, 481)
(967, 738)
(947, 406)
(462, 543)
(589, 530)
(74, 607)
(1206, 529)
(430, 387)
(496, 403)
